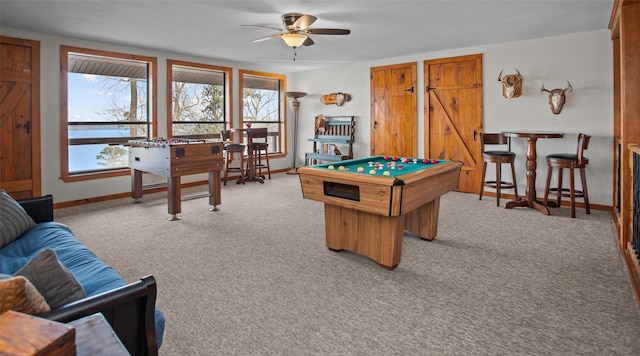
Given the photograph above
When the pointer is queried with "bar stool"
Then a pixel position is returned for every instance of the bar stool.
(230, 150)
(570, 161)
(498, 157)
(260, 150)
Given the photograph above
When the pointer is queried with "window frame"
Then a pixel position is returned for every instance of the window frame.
(282, 80)
(228, 96)
(152, 105)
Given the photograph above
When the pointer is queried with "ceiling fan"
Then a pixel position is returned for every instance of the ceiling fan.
(296, 30)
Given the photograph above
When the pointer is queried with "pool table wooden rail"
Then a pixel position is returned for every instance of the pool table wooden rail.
(383, 195)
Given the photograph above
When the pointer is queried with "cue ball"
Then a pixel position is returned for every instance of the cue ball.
(373, 171)
(360, 169)
(331, 166)
(386, 173)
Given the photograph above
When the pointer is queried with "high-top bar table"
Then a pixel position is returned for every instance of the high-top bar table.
(532, 163)
(251, 173)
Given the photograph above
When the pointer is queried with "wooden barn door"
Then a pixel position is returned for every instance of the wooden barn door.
(20, 117)
(453, 115)
(394, 119)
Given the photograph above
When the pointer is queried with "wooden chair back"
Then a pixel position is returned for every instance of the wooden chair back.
(583, 144)
(495, 139)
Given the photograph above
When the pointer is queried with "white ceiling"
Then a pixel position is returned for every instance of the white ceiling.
(379, 29)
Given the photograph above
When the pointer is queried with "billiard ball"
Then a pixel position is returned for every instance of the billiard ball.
(433, 161)
(341, 168)
(426, 161)
(331, 166)
(395, 158)
(360, 169)
(373, 171)
(386, 173)
(386, 158)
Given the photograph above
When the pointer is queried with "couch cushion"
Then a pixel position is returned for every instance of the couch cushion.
(94, 275)
(14, 221)
(52, 279)
(18, 294)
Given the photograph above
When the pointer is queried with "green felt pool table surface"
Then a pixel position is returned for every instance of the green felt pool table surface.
(368, 165)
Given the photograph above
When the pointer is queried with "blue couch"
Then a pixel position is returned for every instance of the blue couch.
(130, 308)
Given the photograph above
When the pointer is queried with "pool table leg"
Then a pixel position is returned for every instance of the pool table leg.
(376, 236)
(424, 220)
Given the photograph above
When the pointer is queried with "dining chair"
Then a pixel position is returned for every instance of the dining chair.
(231, 149)
(259, 146)
(499, 154)
(570, 161)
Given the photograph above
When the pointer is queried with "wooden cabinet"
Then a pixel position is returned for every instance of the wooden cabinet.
(625, 34)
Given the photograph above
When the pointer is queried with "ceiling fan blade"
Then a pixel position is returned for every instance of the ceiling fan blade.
(308, 42)
(260, 26)
(327, 31)
(267, 38)
(304, 21)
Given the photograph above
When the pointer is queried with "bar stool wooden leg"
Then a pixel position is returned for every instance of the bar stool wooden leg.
(547, 186)
(572, 192)
(484, 173)
(498, 182)
(583, 179)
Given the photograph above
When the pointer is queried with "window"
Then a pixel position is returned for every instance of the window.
(198, 101)
(106, 101)
(263, 106)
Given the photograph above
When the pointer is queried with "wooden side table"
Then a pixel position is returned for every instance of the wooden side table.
(23, 334)
(95, 337)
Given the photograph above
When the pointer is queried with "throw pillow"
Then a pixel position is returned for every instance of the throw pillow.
(52, 279)
(14, 221)
(18, 294)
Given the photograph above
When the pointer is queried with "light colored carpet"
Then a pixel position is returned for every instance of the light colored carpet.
(257, 279)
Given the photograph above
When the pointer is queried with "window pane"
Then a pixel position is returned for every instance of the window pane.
(91, 158)
(261, 99)
(262, 105)
(196, 129)
(107, 131)
(198, 102)
(99, 90)
(108, 104)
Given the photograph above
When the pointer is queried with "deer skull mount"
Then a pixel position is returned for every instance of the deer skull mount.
(556, 97)
(511, 84)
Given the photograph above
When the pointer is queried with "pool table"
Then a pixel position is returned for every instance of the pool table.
(367, 210)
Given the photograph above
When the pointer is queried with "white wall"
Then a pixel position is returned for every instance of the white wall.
(585, 59)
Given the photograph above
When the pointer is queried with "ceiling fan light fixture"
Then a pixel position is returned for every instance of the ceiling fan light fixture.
(294, 39)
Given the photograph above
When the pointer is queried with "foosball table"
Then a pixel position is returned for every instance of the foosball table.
(174, 158)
